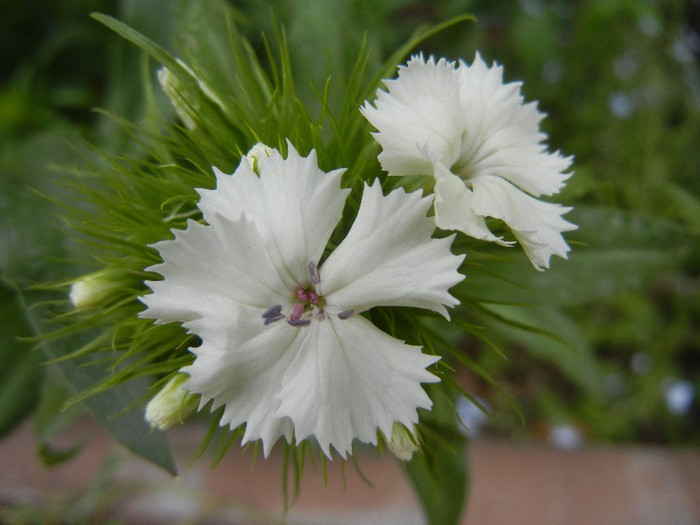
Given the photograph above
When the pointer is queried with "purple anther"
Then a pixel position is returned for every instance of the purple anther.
(302, 295)
(299, 322)
(313, 297)
(346, 314)
(297, 312)
(270, 320)
(273, 311)
(313, 273)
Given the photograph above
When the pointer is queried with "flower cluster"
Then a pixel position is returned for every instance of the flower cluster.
(287, 347)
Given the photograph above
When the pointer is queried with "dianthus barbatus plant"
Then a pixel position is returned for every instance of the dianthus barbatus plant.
(257, 265)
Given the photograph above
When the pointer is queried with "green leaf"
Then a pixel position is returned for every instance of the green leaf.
(209, 41)
(28, 237)
(31, 242)
(52, 415)
(149, 46)
(29, 233)
(439, 473)
(613, 251)
(550, 336)
(51, 456)
(20, 367)
(111, 407)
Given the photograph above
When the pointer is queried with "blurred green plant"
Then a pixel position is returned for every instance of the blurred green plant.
(622, 84)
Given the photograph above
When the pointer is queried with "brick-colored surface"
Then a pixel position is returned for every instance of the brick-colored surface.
(510, 484)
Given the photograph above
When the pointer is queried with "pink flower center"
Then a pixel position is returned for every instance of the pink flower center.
(309, 302)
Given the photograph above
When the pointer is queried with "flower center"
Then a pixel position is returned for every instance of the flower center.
(471, 154)
(309, 304)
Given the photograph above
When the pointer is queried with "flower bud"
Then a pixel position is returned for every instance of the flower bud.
(172, 405)
(403, 443)
(93, 288)
(174, 89)
(257, 152)
(186, 101)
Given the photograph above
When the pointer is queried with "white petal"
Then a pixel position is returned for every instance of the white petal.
(294, 204)
(454, 207)
(209, 269)
(241, 366)
(350, 380)
(501, 133)
(389, 258)
(416, 118)
(536, 224)
(233, 194)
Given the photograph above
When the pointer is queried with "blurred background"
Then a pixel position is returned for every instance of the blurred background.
(620, 82)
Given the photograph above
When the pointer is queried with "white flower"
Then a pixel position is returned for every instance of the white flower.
(284, 348)
(482, 143)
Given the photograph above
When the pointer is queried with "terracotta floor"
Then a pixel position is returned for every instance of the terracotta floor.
(511, 484)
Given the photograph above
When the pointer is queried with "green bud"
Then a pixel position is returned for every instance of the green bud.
(403, 443)
(186, 101)
(172, 405)
(93, 288)
(256, 153)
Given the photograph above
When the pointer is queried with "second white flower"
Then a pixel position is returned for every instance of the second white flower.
(461, 124)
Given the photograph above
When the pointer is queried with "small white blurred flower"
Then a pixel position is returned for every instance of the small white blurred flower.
(479, 140)
(172, 405)
(679, 395)
(565, 437)
(471, 417)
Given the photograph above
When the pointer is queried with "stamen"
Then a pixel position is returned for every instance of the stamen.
(297, 312)
(313, 273)
(273, 311)
(302, 295)
(271, 320)
(346, 314)
(273, 314)
(299, 322)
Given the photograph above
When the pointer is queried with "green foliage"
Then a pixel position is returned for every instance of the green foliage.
(619, 81)
(20, 370)
(438, 473)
